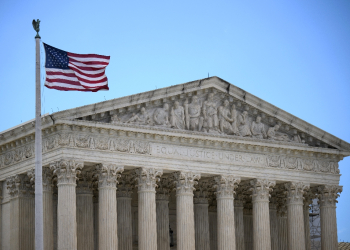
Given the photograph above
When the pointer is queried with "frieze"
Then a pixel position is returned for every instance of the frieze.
(96, 141)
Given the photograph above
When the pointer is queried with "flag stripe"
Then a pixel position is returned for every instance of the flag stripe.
(70, 71)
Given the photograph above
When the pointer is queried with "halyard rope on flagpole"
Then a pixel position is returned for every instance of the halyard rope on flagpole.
(39, 217)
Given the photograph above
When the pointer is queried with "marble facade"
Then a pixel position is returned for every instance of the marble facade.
(197, 166)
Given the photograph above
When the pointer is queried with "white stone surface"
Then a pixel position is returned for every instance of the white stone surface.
(239, 224)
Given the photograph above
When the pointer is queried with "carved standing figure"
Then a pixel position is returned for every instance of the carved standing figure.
(258, 129)
(115, 119)
(141, 118)
(235, 130)
(243, 124)
(211, 121)
(194, 112)
(296, 137)
(177, 116)
(272, 134)
(161, 115)
(224, 118)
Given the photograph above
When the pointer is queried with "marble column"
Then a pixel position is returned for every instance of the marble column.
(48, 208)
(54, 203)
(107, 209)
(225, 188)
(85, 211)
(261, 214)
(239, 222)
(282, 229)
(213, 227)
(201, 215)
(308, 197)
(22, 212)
(296, 232)
(248, 226)
(96, 204)
(273, 222)
(162, 208)
(124, 193)
(185, 182)
(147, 231)
(327, 196)
(66, 171)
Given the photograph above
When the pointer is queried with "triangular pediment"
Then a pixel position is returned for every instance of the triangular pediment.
(208, 114)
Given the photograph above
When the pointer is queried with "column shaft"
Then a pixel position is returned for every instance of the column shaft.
(239, 225)
(213, 225)
(282, 233)
(124, 222)
(107, 210)
(307, 227)
(147, 231)
(328, 198)
(248, 229)
(273, 227)
(163, 241)
(185, 182)
(48, 219)
(295, 216)
(85, 221)
(96, 204)
(201, 222)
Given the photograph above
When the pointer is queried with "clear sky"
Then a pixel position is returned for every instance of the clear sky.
(293, 54)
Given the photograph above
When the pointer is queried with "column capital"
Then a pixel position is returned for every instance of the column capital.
(328, 195)
(66, 170)
(46, 179)
(164, 188)
(85, 182)
(125, 186)
(185, 181)
(309, 195)
(19, 186)
(202, 192)
(261, 189)
(147, 178)
(295, 192)
(225, 186)
(108, 174)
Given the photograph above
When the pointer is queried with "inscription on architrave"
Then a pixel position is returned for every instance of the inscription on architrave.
(207, 155)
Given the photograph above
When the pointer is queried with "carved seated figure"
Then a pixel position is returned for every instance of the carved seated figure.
(210, 113)
(296, 137)
(224, 118)
(258, 129)
(243, 124)
(177, 116)
(141, 118)
(161, 116)
(272, 134)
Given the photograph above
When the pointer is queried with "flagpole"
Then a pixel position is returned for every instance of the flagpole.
(39, 217)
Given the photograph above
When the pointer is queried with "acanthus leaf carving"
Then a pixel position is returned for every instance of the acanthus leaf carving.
(328, 195)
(225, 185)
(147, 178)
(66, 170)
(295, 192)
(261, 189)
(185, 181)
(108, 174)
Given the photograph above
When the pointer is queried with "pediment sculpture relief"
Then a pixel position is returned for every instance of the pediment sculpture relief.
(208, 113)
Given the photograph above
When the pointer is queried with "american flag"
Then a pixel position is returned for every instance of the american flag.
(70, 71)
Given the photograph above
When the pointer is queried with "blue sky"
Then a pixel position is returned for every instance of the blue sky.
(293, 54)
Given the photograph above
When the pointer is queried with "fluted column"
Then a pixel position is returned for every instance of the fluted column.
(146, 183)
(225, 188)
(239, 223)
(261, 214)
(248, 225)
(85, 212)
(282, 230)
(66, 171)
(213, 226)
(296, 232)
(96, 204)
(327, 196)
(273, 221)
(1, 213)
(22, 212)
(55, 203)
(201, 215)
(185, 182)
(107, 209)
(162, 207)
(124, 193)
(308, 197)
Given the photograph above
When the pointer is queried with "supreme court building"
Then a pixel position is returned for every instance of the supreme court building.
(197, 166)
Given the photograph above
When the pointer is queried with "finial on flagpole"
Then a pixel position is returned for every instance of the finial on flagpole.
(36, 26)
